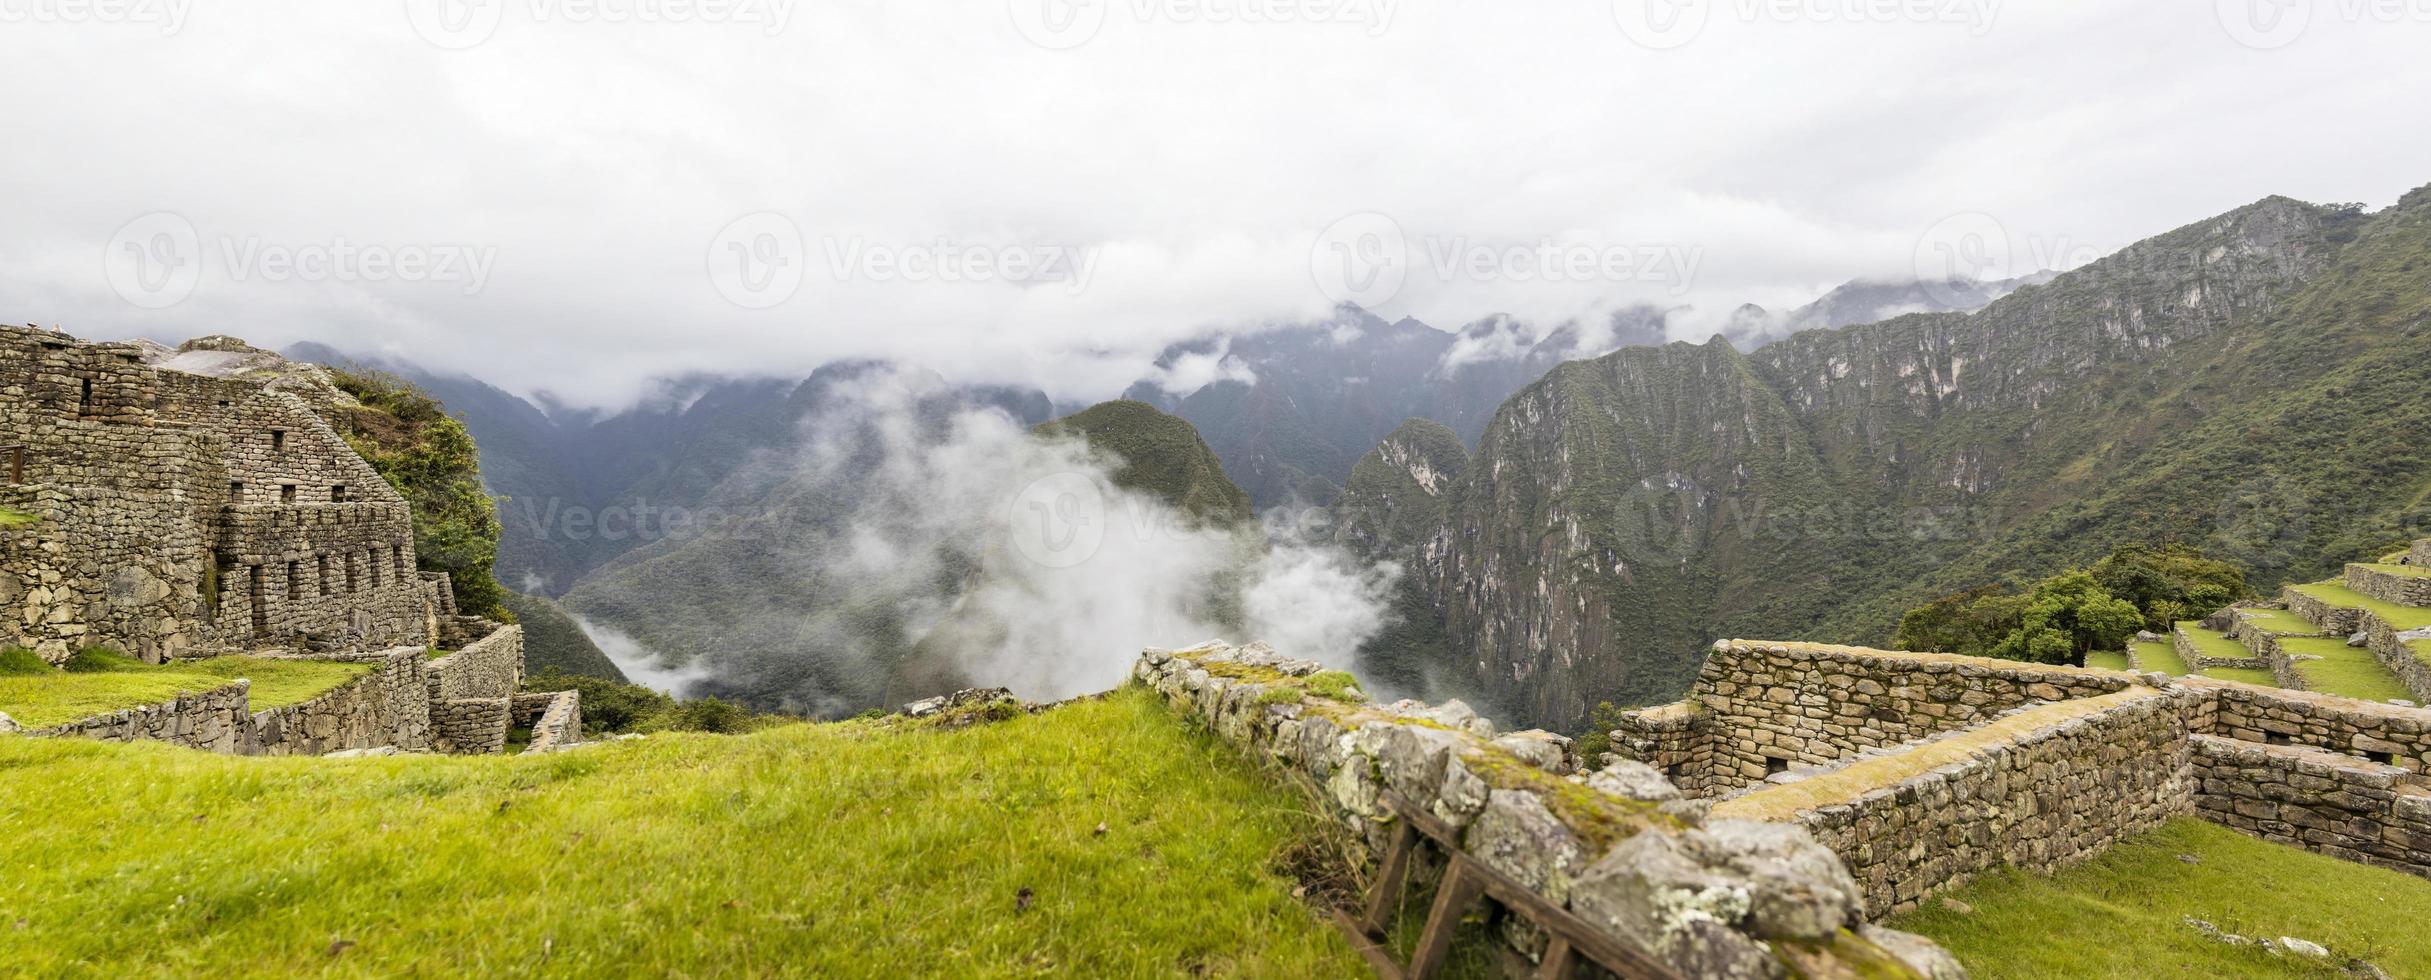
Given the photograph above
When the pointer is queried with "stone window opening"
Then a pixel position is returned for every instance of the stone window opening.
(323, 562)
(2274, 738)
(1774, 767)
(396, 560)
(371, 560)
(286, 493)
(2384, 758)
(278, 440)
(337, 493)
(258, 592)
(84, 399)
(236, 492)
(295, 580)
(352, 584)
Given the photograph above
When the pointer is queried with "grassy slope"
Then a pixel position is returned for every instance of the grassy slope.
(45, 700)
(835, 850)
(2344, 670)
(2400, 617)
(2119, 915)
(551, 638)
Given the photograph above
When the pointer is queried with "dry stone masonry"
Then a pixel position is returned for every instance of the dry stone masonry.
(183, 513)
(1622, 849)
(1923, 770)
(194, 502)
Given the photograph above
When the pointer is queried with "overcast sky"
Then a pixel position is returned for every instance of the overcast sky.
(579, 196)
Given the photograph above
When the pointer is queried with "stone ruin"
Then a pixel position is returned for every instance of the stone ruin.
(195, 502)
(185, 513)
(1922, 770)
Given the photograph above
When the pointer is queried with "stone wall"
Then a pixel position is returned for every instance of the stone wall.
(2039, 789)
(182, 514)
(2398, 587)
(2322, 801)
(387, 707)
(555, 719)
(2260, 644)
(2364, 729)
(2332, 619)
(217, 720)
(470, 726)
(2420, 554)
(1620, 849)
(1763, 708)
(490, 668)
(2401, 656)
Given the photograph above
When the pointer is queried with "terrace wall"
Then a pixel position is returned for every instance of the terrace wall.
(386, 707)
(2404, 590)
(2328, 802)
(1762, 707)
(492, 667)
(1620, 850)
(470, 726)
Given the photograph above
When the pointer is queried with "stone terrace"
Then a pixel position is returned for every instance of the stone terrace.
(1921, 770)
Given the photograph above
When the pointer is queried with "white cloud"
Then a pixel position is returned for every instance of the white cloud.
(1194, 162)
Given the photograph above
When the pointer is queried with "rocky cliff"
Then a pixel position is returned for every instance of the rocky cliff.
(1622, 513)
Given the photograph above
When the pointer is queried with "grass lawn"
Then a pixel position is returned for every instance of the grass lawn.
(2242, 675)
(2409, 571)
(42, 700)
(2401, 617)
(2213, 644)
(2161, 657)
(2107, 660)
(852, 849)
(2344, 670)
(2279, 621)
(2120, 914)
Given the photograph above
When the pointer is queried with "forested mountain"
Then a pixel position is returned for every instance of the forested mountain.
(2250, 384)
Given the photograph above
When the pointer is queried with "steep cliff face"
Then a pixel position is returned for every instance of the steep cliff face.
(1622, 513)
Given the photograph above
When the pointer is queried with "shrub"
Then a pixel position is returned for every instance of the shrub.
(1336, 685)
(99, 660)
(21, 662)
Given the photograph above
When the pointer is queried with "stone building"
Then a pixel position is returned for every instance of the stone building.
(185, 508)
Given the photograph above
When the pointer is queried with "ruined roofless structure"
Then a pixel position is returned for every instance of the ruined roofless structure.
(192, 502)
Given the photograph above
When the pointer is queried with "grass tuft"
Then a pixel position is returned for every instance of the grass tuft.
(21, 662)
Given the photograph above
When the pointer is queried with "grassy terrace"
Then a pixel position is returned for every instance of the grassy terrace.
(2401, 617)
(2161, 657)
(2214, 644)
(2343, 670)
(2279, 621)
(853, 849)
(2409, 571)
(2107, 660)
(2120, 914)
(42, 697)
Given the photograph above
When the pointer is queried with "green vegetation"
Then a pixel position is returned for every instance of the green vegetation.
(2408, 571)
(19, 661)
(2212, 643)
(12, 517)
(616, 707)
(2242, 675)
(2397, 616)
(1161, 456)
(2278, 621)
(850, 849)
(2343, 670)
(2170, 582)
(428, 456)
(553, 640)
(1335, 685)
(2122, 914)
(2060, 621)
(2107, 660)
(2162, 657)
(105, 682)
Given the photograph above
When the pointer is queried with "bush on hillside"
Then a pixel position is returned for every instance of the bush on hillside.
(615, 708)
(2170, 583)
(2064, 617)
(429, 457)
(99, 660)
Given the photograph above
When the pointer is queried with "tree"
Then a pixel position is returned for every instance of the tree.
(2170, 582)
(2067, 616)
(1967, 623)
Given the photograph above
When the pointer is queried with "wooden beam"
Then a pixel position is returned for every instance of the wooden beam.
(1460, 888)
(1384, 896)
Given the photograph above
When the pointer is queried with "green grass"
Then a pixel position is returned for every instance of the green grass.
(853, 849)
(2343, 670)
(2242, 675)
(2279, 621)
(2214, 644)
(2397, 616)
(42, 700)
(2107, 660)
(2161, 657)
(2408, 571)
(2119, 915)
